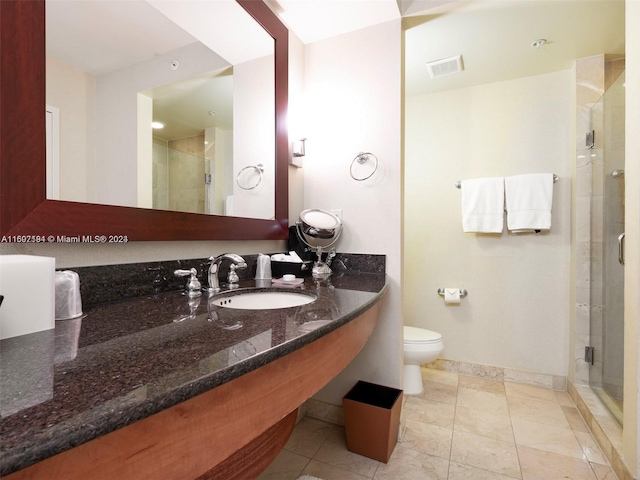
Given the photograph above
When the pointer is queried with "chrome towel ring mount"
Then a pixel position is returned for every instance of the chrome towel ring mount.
(363, 166)
(250, 177)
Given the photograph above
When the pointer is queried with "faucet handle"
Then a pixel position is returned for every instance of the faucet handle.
(184, 272)
(193, 285)
(233, 278)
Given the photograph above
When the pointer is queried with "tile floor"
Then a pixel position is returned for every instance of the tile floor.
(460, 428)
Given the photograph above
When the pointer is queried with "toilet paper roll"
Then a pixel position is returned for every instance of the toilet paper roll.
(452, 296)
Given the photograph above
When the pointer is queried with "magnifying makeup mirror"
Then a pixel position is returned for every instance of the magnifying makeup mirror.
(319, 230)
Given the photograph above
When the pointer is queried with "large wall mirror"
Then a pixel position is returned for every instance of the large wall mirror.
(121, 177)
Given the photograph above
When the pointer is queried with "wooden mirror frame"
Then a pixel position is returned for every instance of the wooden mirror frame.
(25, 213)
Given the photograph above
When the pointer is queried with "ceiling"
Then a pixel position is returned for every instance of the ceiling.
(101, 36)
(495, 39)
(493, 36)
(313, 20)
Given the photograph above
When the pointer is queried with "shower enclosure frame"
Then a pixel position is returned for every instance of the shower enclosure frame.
(605, 352)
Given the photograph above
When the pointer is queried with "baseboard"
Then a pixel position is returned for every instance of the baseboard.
(503, 374)
(324, 411)
(333, 413)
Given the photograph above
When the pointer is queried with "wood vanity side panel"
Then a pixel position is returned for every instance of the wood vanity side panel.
(262, 451)
(188, 440)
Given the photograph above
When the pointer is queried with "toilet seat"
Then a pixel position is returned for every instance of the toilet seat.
(414, 335)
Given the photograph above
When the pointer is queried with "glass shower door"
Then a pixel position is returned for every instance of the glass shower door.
(607, 241)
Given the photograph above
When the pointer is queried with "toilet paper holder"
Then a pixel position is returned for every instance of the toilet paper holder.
(463, 292)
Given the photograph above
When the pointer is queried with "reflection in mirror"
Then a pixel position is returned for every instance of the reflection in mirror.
(192, 146)
(109, 80)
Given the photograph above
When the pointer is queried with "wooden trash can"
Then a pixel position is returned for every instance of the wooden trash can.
(372, 419)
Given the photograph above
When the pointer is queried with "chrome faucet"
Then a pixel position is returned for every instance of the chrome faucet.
(214, 284)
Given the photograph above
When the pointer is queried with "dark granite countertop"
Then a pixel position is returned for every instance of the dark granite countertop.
(126, 360)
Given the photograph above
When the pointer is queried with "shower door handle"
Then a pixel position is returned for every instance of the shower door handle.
(621, 249)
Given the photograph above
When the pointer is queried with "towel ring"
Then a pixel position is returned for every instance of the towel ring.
(258, 168)
(361, 160)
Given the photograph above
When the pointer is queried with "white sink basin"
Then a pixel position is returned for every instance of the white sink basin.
(263, 299)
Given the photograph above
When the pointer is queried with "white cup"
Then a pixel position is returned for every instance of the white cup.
(288, 278)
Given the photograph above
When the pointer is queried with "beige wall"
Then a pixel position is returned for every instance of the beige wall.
(296, 126)
(354, 105)
(516, 314)
(253, 138)
(73, 92)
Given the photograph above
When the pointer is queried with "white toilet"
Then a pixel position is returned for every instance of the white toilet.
(420, 346)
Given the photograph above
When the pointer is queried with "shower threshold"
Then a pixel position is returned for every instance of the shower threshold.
(613, 405)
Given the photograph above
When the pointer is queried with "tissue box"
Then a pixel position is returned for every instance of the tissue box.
(300, 270)
(28, 286)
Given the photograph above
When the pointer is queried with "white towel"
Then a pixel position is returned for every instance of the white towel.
(528, 201)
(483, 205)
(228, 205)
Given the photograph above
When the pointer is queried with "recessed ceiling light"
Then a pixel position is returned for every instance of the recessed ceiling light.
(157, 125)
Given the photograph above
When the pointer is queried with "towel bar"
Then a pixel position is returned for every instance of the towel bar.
(458, 184)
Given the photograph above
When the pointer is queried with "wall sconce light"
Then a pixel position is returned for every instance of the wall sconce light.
(297, 152)
(298, 148)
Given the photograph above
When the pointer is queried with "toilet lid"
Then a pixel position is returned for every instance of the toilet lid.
(420, 335)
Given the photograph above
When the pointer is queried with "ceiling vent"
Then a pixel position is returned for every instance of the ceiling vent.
(445, 66)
